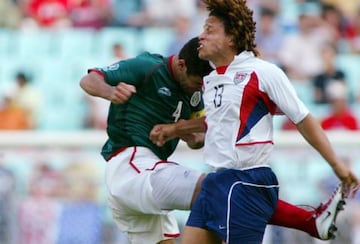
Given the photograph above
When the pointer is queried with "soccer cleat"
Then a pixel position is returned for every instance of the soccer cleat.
(325, 215)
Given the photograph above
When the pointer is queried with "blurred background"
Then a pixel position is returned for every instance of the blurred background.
(51, 132)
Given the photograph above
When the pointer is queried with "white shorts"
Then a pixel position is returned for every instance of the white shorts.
(142, 191)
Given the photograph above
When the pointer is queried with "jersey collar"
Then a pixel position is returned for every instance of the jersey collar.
(170, 66)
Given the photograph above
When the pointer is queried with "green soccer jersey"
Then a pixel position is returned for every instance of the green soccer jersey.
(158, 100)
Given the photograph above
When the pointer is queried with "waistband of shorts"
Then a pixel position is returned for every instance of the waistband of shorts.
(121, 149)
(246, 168)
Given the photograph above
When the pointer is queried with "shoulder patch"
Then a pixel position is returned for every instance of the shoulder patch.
(195, 99)
(111, 67)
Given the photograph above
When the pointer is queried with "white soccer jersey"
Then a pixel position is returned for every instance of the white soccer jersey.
(240, 102)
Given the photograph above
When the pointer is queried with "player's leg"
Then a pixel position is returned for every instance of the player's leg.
(131, 198)
(155, 228)
(231, 209)
(196, 235)
(175, 187)
(319, 222)
(171, 241)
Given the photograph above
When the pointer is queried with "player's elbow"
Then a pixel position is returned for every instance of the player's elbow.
(195, 145)
(85, 83)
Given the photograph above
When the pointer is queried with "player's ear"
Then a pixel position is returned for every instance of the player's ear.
(181, 65)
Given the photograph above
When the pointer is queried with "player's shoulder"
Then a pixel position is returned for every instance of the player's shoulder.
(268, 69)
(150, 58)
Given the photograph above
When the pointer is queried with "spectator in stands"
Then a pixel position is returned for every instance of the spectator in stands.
(347, 7)
(198, 20)
(10, 16)
(27, 97)
(337, 26)
(47, 13)
(96, 117)
(126, 13)
(182, 34)
(7, 206)
(38, 213)
(163, 12)
(118, 52)
(12, 116)
(300, 54)
(330, 74)
(269, 36)
(81, 194)
(356, 41)
(341, 116)
(93, 14)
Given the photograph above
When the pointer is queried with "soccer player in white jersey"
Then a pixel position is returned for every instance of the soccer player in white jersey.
(241, 96)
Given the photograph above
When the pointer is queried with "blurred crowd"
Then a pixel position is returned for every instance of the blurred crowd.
(39, 206)
(305, 38)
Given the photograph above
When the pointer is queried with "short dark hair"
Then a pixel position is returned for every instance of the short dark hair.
(195, 65)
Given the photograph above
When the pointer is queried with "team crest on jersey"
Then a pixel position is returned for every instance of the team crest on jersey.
(240, 77)
(195, 99)
(164, 91)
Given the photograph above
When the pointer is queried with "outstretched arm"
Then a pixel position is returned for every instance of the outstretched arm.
(95, 85)
(191, 131)
(314, 134)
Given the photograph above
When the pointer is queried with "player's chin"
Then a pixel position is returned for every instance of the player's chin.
(202, 54)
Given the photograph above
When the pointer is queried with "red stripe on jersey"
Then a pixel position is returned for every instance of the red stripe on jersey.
(96, 71)
(121, 149)
(171, 235)
(170, 66)
(131, 158)
(270, 105)
(249, 100)
(253, 143)
(131, 161)
(252, 106)
(161, 162)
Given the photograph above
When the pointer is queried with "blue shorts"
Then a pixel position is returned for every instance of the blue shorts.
(236, 204)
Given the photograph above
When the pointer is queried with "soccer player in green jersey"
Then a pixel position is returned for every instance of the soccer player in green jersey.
(143, 187)
(144, 91)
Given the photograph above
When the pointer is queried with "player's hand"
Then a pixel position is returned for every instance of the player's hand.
(194, 140)
(122, 92)
(162, 133)
(350, 183)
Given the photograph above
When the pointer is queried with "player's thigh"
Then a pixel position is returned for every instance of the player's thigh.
(143, 229)
(195, 235)
(172, 241)
(174, 186)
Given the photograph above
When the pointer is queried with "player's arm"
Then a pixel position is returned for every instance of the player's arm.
(94, 84)
(194, 140)
(191, 131)
(311, 130)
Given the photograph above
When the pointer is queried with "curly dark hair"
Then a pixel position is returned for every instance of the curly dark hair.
(238, 22)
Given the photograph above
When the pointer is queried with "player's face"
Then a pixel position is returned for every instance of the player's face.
(191, 84)
(214, 44)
